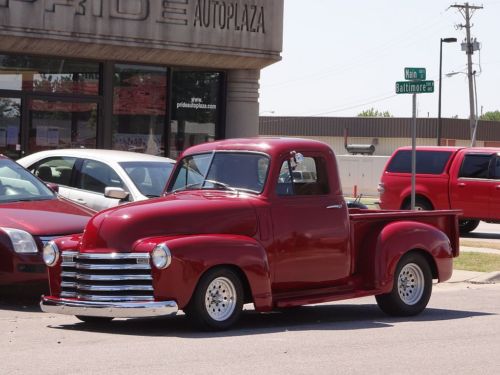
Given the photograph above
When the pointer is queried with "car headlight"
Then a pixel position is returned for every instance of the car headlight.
(50, 253)
(22, 241)
(161, 256)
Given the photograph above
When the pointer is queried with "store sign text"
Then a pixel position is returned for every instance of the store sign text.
(215, 14)
(227, 15)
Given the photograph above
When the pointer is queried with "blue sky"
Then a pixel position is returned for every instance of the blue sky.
(342, 57)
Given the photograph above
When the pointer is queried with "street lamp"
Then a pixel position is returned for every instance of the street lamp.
(443, 40)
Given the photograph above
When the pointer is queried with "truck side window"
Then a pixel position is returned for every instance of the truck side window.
(308, 178)
(496, 175)
(475, 166)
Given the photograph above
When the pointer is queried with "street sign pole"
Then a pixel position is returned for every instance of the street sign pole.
(415, 84)
(414, 152)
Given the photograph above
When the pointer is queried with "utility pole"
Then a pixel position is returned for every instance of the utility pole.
(467, 12)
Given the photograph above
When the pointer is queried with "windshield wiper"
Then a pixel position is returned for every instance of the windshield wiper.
(188, 186)
(218, 183)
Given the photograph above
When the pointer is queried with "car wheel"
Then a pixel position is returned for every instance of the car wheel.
(420, 205)
(412, 287)
(94, 319)
(467, 225)
(217, 301)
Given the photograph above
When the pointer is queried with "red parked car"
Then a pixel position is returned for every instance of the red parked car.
(31, 214)
(461, 178)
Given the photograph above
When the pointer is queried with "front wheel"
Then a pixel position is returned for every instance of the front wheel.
(467, 225)
(412, 287)
(217, 301)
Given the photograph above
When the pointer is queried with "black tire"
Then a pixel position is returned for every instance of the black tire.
(94, 319)
(412, 287)
(467, 225)
(220, 309)
(356, 204)
(420, 205)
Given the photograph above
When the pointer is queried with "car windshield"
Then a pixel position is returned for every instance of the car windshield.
(17, 184)
(243, 171)
(149, 177)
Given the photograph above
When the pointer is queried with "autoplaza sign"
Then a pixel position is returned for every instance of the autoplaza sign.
(414, 87)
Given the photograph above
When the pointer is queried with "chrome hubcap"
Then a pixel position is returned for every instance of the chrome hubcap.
(220, 299)
(411, 284)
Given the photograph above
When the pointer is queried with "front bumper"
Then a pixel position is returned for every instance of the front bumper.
(108, 309)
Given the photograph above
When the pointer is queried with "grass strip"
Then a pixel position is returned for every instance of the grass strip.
(479, 262)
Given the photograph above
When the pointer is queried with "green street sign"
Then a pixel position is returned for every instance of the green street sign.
(415, 74)
(414, 87)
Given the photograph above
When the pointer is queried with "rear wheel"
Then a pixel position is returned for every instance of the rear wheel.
(467, 225)
(412, 287)
(217, 301)
(421, 204)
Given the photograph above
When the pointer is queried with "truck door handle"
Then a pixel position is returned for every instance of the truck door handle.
(335, 206)
(82, 201)
(461, 184)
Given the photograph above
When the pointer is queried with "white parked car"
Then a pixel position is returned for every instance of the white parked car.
(101, 178)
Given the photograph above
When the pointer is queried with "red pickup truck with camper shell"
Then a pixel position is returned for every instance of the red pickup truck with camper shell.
(234, 227)
(461, 178)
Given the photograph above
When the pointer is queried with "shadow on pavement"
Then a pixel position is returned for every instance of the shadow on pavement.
(484, 236)
(327, 317)
(28, 302)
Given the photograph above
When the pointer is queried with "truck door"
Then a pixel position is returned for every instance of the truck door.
(471, 190)
(495, 190)
(311, 230)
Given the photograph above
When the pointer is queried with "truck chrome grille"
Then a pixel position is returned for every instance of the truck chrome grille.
(113, 277)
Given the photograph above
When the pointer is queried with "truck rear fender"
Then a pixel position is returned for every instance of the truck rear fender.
(194, 255)
(399, 238)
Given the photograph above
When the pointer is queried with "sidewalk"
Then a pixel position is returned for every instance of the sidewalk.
(472, 277)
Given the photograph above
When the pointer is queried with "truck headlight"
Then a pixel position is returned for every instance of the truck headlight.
(50, 253)
(161, 256)
(22, 241)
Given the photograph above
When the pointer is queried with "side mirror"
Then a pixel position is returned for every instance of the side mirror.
(53, 187)
(115, 192)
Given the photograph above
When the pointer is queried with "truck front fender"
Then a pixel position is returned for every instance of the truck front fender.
(398, 238)
(194, 255)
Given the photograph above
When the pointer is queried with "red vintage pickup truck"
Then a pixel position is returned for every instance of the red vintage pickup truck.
(234, 227)
(447, 178)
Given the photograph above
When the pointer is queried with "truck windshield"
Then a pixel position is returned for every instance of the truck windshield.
(244, 171)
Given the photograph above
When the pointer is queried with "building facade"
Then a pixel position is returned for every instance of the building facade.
(385, 134)
(153, 76)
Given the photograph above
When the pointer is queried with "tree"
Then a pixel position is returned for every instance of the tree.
(372, 112)
(490, 116)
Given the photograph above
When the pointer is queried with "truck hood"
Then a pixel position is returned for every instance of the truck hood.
(46, 217)
(182, 213)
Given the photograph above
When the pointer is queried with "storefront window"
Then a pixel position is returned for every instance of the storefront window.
(10, 121)
(58, 124)
(195, 109)
(139, 108)
(46, 75)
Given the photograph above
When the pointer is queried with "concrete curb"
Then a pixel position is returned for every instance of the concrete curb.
(487, 278)
(473, 277)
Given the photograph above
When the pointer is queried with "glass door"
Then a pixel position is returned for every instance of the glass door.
(58, 123)
(10, 126)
